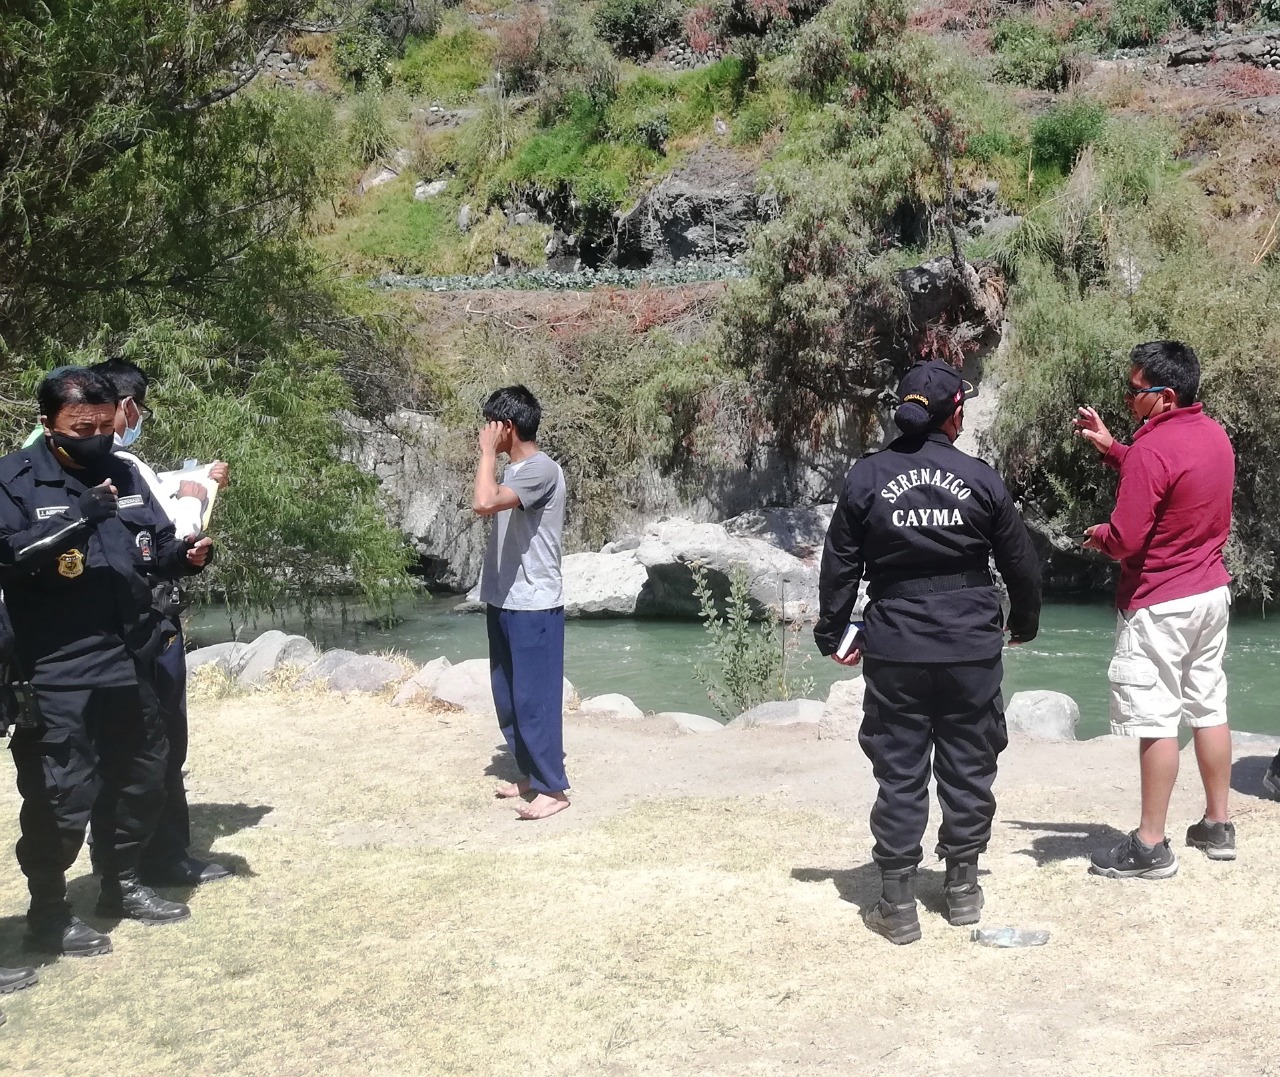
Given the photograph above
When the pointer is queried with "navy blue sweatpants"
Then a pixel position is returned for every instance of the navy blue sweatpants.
(526, 666)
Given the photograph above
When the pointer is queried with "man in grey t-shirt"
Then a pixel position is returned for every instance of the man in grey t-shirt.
(521, 585)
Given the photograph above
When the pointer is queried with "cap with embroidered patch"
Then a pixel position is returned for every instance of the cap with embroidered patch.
(927, 395)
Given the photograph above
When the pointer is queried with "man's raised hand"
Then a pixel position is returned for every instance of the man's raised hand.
(490, 435)
(1089, 425)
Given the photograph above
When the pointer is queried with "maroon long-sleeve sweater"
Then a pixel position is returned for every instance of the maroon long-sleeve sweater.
(1173, 509)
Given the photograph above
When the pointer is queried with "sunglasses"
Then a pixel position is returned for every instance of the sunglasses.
(1131, 392)
(144, 413)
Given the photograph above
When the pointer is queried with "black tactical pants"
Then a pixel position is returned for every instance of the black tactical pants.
(951, 716)
(96, 758)
(173, 830)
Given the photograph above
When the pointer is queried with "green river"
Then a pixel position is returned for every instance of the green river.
(653, 661)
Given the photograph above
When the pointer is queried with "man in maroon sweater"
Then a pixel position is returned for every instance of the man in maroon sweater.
(1168, 531)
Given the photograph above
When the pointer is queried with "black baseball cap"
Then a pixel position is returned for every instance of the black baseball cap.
(927, 395)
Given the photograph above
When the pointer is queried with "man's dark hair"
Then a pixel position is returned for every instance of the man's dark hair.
(129, 380)
(1172, 364)
(73, 385)
(516, 405)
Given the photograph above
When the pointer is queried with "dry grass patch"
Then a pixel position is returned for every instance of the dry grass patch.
(393, 919)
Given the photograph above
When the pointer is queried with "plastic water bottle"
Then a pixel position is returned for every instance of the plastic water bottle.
(1009, 936)
(190, 464)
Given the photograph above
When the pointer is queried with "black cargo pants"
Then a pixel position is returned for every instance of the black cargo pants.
(95, 758)
(947, 716)
(173, 830)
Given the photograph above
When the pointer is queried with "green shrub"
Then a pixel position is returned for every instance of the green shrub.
(749, 658)
(635, 27)
(449, 67)
(1134, 23)
(1135, 157)
(369, 128)
(375, 35)
(1058, 136)
(1028, 54)
(1196, 14)
(760, 114)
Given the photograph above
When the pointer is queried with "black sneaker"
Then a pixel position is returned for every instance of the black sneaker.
(1271, 780)
(1132, 858)
(1218, 840)
(900, 924)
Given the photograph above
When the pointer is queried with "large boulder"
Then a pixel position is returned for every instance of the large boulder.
(1043, 715)
(346, 671)
(842, 713)
(227, 656)
(799, 532)
(271, 651)
(783, 712)
(365, 673)
(466, 685)
(422, 684)
(326, 665)
(617, 706)
(777, 581)
(603, 584)
(692, 723)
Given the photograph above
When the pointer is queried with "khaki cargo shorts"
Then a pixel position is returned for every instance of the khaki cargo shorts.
(1167, 668)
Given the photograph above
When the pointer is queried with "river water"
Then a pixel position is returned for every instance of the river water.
(653, 661)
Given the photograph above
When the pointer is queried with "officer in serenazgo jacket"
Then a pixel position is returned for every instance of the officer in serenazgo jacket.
(922, 520)
(80, 539)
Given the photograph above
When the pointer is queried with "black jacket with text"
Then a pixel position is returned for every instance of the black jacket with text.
(79, 594)
(922, 508)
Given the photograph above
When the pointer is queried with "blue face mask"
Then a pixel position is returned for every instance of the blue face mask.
(130, 435)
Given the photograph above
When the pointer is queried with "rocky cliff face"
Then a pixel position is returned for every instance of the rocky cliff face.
(426, 484)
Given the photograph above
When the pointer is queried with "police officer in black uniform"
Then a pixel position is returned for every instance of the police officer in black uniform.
(10, 979)
(80, 539)
(921, 520)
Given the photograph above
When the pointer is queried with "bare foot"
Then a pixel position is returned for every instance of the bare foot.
(543, 806)
(512, 789)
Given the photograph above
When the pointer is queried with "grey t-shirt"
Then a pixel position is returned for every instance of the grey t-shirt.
(522, 561)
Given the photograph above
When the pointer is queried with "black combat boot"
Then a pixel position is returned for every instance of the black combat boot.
(56, 931)
(125, 896)
(12, 980)
(51, 926)
(894, 915)
(963, 894)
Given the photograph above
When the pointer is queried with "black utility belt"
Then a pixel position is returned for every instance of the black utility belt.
(928, 585)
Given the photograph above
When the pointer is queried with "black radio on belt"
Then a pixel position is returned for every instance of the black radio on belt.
(18, 706)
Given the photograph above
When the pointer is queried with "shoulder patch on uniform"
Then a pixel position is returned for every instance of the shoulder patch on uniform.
(45, 511)
(133, 501)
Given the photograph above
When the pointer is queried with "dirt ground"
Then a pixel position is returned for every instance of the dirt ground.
(695, 912)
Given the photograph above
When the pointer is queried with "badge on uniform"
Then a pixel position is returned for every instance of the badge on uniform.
(143, 542)
(71, 564)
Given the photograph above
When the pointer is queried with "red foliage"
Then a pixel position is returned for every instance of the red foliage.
(1245, 80)
(701, 28)
(951, 15)
(517, 54)
(769, 9)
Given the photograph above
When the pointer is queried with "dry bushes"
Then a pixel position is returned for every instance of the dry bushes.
(1245, 80)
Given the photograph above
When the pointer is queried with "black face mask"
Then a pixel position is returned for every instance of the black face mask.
(87, 452)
